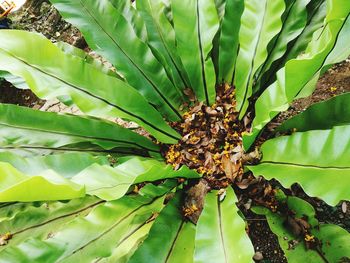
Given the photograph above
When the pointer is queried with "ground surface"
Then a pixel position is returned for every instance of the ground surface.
(39, 16)
(9, 94)
(334, 82)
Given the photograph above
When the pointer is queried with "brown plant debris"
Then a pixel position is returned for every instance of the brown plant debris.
(5, 238)
(194, 201)
(212, 141)
(257, 191)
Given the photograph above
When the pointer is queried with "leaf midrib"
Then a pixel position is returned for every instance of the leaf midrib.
(127, 236)
(307, 165)
(253, 60)
(76, 135)
(284, 24)
(326, 57)
(202, 55)
(174, 241)
(119, 151)
(59, 217)
(220, 228)
(166, 46)
(91, 94)
(132, 62)
(109, 229)
(309, 19)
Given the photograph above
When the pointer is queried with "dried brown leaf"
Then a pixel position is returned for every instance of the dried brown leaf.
(231, 169)
(195, 199)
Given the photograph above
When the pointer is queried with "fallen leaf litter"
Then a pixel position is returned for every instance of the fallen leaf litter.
(212, 141)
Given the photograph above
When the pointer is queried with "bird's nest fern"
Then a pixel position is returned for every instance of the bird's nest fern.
(169, 56)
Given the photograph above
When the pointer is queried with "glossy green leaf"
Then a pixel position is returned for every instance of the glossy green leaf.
(127, 248)
(161, 37)
(335, 240)
(221, 235)
(268, 105)
(293, 25)
(339, 52)
(126, 8)
(316, 14)
(317, 11)
(52, 73)
(93, 236)
(103, 181)
(111, 183)
(97, 63)
(170, 232)
(18, 82)
(17, 186)
(65, 164)
(301, 209)
(229, 40)
(339, 240)
(297, 74)
(313, 159)
(323, 44)
(24, 128)
(260, 23)
(195, 24)
(161, 47)
(39, 219)
(111, 35)
(220, 7)
(321, 116)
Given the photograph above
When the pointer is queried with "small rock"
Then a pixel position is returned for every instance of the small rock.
(319, 209)
(248, 204)
(222, 194)
(292, 244)
(258, 256)
(344, 207)
(4, 239)
(44, 8)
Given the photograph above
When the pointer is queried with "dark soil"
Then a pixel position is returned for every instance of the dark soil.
(264, 240)
(260, 192)
(9, 94)
(338, 215)
(40, 16)
(336, 81)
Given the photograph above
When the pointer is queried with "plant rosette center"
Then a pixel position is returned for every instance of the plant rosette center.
(212, 141)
